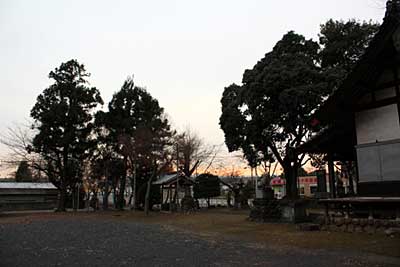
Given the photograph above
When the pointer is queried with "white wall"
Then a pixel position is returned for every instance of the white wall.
(379, 162)
(380, 124)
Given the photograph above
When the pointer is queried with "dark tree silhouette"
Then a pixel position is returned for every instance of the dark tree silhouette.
(23, 173)
(206, 186)
(107, 169)
(63, 120)
(270, 112)
(136, 128)
(345, 42)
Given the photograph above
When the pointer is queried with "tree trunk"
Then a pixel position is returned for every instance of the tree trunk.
(61, 200)
(147, 197)
(74, 200)
(291, 180)
(121, 194)
(105, 196)
(63, 182)
(236, 199)
(134, 190)
(229, 199)
(122, 184)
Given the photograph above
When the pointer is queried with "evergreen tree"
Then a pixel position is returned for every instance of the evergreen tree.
(206, 186)
(137, 130)
(268, 115)
(63, 116)
(23, 173)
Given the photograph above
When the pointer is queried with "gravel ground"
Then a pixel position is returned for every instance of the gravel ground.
(87, 242)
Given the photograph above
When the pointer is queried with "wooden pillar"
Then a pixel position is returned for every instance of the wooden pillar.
(321, 181)
(397, 87)
(170, 198)
(162, 195)
(177, 191)
(357, 174)
(351, 180)
(327, 219)
(331, 171)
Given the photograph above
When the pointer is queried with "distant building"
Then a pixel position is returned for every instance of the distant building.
(308, 186)
(27, 196)
(279, 186)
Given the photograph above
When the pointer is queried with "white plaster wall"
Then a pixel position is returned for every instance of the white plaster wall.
(380, 124)
(379, 162)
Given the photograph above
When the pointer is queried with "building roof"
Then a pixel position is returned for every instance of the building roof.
(236, 179)
(15, 185)
(172, 178)
(338, 141)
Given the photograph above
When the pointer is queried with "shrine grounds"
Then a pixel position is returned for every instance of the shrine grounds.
(206, 238)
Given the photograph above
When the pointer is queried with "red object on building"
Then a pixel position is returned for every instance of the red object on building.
(314, 122)
(278, 181)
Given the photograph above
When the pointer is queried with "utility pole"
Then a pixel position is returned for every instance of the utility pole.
(177, 174)
(134, 184)
(78, 185)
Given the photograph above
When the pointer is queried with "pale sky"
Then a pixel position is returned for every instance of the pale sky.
(184, 52)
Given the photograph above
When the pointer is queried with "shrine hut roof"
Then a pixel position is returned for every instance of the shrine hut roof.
(170, 179)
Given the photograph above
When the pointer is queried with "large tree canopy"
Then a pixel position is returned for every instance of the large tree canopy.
(345, 42)
(270, 111)
(136, 128)
(63, 116)
(268, 115)
(131, 110)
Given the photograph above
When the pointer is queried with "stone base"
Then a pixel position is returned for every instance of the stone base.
(360, 225)
(321, 195)
(294, 211)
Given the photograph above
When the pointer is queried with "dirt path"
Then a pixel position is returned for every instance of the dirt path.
(202, 239)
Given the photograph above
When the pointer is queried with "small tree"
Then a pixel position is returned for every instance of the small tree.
(206, 186)
(193, 153)
(235, 188)
(18, 139)
(107, 169)
(247, 192)
(23, 173)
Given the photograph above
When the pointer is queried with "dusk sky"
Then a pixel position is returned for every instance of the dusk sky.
(184, 52)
